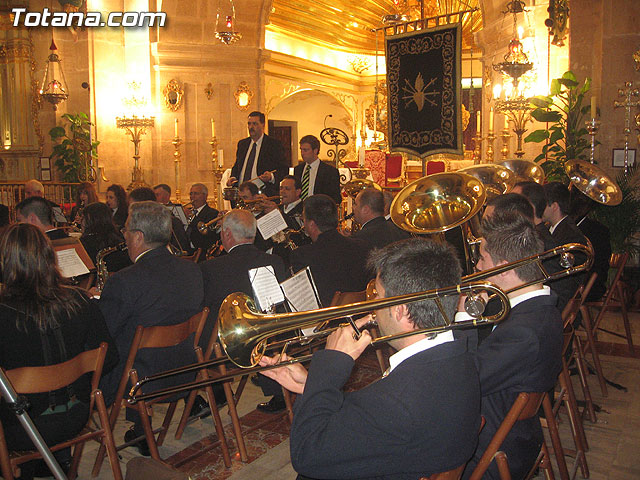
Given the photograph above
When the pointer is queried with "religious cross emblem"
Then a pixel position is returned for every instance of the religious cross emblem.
(418, 94)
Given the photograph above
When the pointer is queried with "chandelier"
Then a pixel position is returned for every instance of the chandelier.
(53, 88)
(226, 22)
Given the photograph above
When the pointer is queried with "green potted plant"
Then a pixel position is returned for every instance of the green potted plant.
(72, 148)
(567, 137)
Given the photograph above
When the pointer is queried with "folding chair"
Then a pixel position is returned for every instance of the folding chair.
(454, 474)
(195, 257)
(159, 337)
(613, 298)
(525, 406)
(54, 377)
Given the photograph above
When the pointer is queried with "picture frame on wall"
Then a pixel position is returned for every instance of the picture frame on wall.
(617, 159)
(45, 169)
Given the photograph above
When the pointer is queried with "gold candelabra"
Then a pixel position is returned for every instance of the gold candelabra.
(477, 151)
(176, 142)
(519, 112)
(136, 127)
(217, 170)
(627, 93)
(490, 139)
(592, 127)
(505, 136)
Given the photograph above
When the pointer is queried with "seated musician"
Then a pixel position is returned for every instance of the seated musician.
(422, 417)
(33, 188)
(37, 211)
(368, 211)
(200, 212)
(337, 263)
(99, 232)
(522, 354)
(158, 289)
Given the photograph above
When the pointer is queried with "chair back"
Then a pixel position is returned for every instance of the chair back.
(193, 258)
(454, 474)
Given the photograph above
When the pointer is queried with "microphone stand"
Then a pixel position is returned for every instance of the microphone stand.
(19, 405)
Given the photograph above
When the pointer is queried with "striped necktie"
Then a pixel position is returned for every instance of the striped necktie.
(305, 182)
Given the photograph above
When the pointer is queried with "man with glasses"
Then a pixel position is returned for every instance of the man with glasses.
(201, 212)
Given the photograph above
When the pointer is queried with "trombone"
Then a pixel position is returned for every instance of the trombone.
(209, 226)
(244, 331)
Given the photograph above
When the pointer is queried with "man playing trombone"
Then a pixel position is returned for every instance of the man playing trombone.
(422, 417)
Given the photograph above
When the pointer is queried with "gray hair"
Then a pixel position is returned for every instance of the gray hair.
(203, 186)
(153, 220)
(35, 185)
(241, 223)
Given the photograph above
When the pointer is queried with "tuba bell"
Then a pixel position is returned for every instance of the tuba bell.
(593, 182)
(525, 170)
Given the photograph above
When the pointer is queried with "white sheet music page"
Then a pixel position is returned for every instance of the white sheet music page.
(266, 290)
(300, 294)
(70, 263)
(271, 223)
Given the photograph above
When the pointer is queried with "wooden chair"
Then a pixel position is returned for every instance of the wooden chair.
(54, 377)
(525, 406)
(613, 298)
(160, 337)
(195, 257)
(454, 474)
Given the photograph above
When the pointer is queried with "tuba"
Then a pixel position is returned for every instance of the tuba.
(101, 264)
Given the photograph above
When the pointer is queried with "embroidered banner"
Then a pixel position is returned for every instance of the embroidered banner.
(423, 78)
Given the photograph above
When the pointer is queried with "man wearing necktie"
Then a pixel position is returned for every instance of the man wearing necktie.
(259, 158)
(314, 175)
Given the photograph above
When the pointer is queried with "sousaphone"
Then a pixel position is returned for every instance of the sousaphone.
(593, 182)
(497, 179)
(524, 170)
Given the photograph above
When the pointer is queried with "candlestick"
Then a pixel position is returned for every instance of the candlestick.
(592, 128)
(176, 129)
(477, 151)
(217, 171)
(505, 136)
(628, 93)
(176, 142)
(490, 139)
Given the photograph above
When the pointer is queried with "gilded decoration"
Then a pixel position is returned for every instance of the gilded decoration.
(173, 94)
(243, 96)
(423, 74)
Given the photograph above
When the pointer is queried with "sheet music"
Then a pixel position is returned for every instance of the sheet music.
(266, 290)
(271, 223)
(300, 294)
(70, 264)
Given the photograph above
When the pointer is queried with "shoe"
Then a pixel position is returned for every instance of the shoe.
(255, 380)
(141, 445)
(200, 408)
(275, 405)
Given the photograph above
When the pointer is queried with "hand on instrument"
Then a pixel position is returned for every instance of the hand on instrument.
(231, 181)
(266, 177)
(343, 339)
(293, 377)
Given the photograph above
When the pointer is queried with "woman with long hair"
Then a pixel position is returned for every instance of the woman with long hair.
(99, 232)
(85, 194)
(44, 322)
(117, 202)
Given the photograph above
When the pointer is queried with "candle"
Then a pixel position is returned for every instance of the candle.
(491, 120)
(220, 155)
(506, 122)
(478, 121)
(593, 107)
(361, 157)
(213, 129)
(176, 128)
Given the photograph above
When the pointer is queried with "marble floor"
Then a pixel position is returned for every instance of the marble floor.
(614, 439)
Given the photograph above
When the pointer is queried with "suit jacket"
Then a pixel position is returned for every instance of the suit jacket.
(421, 419)
(377, 232)
(327, 180)
(522, 354)
(337, 263)
(271, 157)
(4, 215)
(159, 289)
(600, 239)
(294, 222)
(120, 217)
(198, 239)
(228, 274)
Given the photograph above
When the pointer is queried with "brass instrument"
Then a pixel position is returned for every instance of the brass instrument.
(210, 226)
(193, 213)
(497, 179)
(244, 331)
(246, 339)
(593, 182)
(285, 237)
(101, 264)
(355, 186)
(525, 171)
(255, 206)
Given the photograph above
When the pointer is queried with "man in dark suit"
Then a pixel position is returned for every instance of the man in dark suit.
(37, 211)
(201, 212)
(4, 215)
(230, 273)
(321, 177)
(368, 211)
(158, 289)
(523, 352)
(337, 263)
(259, 158)
(421, 418)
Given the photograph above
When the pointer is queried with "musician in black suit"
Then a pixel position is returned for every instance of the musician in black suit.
(337, 263)
(4, 215)
(523, 352)
(368, 211)
(323, 178)
(37, 211)
(229, 273)
(259, 158)
(421, 418)
(201, 212)
(158, 289)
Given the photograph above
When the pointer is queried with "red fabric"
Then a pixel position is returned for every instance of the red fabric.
(374, 160)
(393, 168)
(435, 166)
